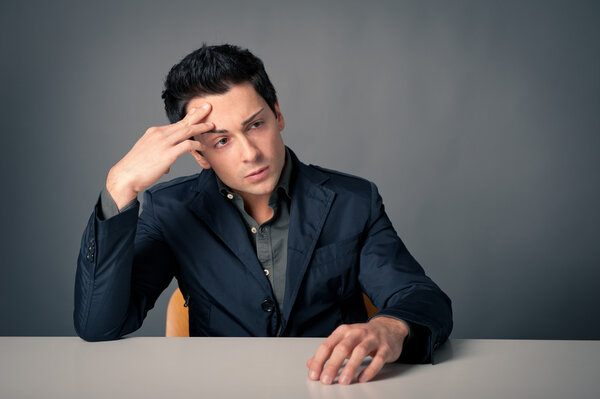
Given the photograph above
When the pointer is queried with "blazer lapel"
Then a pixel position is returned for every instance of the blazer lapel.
(221, 217)
(310, 206)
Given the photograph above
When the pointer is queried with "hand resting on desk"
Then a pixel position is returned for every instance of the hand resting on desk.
(381, 338)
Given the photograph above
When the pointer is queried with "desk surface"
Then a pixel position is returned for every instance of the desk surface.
(67, 367)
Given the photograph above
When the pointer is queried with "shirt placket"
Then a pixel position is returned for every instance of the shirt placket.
(264, 249)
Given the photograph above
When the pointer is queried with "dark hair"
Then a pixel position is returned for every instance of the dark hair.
(213, 70)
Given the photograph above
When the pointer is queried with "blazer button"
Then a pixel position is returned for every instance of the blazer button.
(268, 305)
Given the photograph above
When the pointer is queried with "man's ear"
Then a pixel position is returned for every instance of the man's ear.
(200, 159)
(279, 116)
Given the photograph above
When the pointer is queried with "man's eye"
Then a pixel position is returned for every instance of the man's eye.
(256, 124)
(221, 142)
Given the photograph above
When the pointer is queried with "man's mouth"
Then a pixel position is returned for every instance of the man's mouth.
(258, 174)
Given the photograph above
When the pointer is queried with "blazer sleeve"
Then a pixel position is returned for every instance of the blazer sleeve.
(398, 287)
(123, 266)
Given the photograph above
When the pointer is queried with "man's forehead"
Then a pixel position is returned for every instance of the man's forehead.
(236, 105)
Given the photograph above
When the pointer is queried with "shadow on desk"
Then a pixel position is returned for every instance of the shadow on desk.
(445, 353)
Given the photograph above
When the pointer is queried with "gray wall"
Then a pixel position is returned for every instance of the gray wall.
(479, 122)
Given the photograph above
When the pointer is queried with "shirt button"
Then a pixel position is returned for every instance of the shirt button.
(230, 196)
(253, 230)
(268, 305)
(266, 272)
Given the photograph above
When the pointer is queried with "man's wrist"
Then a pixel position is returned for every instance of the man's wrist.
(399, 325)
(121, 194)
(108, 208)
(404, 322)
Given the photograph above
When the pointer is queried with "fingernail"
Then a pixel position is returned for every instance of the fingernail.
(362, 378)
(313, 375)
(205, 106)
(345, 380)
(326, 380)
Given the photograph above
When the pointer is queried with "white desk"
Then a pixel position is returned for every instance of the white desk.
(67, 367)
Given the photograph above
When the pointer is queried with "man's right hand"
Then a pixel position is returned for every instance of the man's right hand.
(154, 153)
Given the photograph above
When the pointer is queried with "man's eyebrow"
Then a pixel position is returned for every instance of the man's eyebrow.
(242, 124)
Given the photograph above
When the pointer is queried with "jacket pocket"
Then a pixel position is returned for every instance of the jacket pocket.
(338, 250)
(334, 268)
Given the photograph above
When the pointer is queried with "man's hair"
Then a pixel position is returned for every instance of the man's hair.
(214, 70)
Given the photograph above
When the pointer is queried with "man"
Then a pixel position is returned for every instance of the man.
(260, 243)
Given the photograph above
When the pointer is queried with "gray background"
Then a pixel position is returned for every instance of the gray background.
(479, 122)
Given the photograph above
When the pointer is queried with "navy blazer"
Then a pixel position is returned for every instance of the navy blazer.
(340, 244)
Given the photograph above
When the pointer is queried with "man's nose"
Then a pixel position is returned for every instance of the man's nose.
(250, 152)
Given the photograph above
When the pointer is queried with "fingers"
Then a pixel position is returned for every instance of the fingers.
(340, 345)
(195, 115)
(190, 125)
(186, 146)
(343, 350)
(372, 369)
(359, 354)
(323, 353)
(186, 132)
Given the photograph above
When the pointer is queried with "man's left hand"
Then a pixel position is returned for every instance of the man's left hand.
(381, 338)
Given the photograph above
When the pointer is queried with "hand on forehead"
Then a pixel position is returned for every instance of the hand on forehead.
(231, 109)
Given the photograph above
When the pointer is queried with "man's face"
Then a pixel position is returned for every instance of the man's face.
(245, 148)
